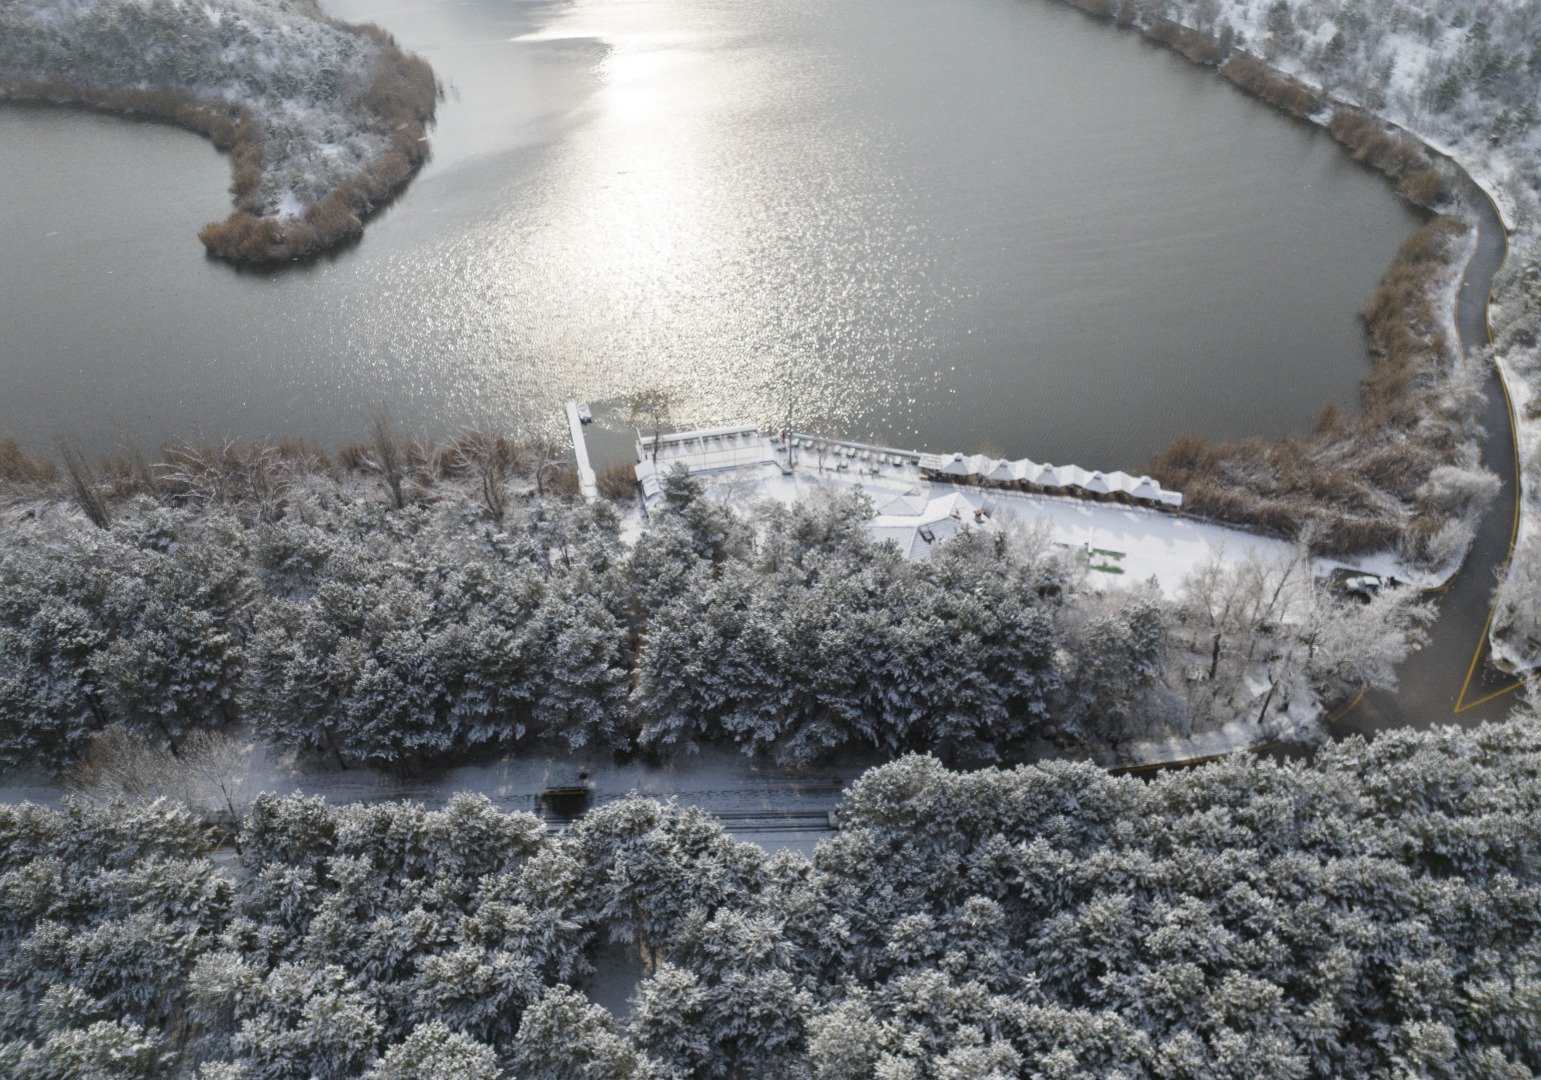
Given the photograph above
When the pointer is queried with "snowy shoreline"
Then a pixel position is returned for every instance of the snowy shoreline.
(321, 132)
(1490, 174)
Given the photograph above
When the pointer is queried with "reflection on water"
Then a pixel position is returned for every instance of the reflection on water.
(959, 223)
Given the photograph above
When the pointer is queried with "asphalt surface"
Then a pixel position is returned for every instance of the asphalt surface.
(1452, 680)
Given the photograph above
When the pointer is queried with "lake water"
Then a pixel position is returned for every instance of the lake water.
(970, 224)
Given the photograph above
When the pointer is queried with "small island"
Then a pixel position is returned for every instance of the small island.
(324, 121)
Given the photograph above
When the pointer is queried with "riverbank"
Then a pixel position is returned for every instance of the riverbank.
(1402, 474)
(1462, 93)
(320, 134)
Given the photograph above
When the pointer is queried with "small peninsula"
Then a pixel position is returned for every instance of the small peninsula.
(324, 121)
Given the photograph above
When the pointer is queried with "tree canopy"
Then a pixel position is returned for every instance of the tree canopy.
(359, 632)
(1372, 913)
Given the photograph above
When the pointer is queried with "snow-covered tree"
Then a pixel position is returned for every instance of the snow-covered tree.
(564, 1036)
(434, 1052)
(140, 625)
(1367, 913)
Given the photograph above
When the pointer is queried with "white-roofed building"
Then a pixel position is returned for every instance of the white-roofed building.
(1071, 479)
(909, 504)
(937, 520)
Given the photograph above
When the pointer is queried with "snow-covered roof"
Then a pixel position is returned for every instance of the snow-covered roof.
(915, 524)
(1077, 480)
(915, 539)
(910, 504)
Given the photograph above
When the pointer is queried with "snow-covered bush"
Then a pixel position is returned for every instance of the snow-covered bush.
(435, 1052)
(323, 121)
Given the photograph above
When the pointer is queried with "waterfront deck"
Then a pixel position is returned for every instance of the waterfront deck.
(920, 500)
(588, 483)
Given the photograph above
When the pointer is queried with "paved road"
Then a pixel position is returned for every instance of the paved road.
(1450, 680)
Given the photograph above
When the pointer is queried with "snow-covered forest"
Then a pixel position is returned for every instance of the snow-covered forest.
(323, 121)
(1371, 914)
(455, 611)
(1462, 75)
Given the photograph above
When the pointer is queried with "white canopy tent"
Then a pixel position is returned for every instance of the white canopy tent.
(1076, 480)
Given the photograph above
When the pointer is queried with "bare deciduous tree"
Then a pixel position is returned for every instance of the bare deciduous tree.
(1266, 635)
(389, 458)
(491, 459)
(547, 453)
(650, 413)
(209, 774)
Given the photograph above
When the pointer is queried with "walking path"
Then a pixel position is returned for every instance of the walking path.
(1452, 679)
(587, 482)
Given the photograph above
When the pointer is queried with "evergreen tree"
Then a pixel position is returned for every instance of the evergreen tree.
(565, 1037)
(434, 1052)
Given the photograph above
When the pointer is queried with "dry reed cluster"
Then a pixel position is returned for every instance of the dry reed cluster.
(1370, 481)
(260, 480)
(1356, 479)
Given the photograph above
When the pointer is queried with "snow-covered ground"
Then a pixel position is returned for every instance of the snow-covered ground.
(1462, 77)
(1120, 544)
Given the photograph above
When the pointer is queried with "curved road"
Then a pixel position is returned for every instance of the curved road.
(1451, 679)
